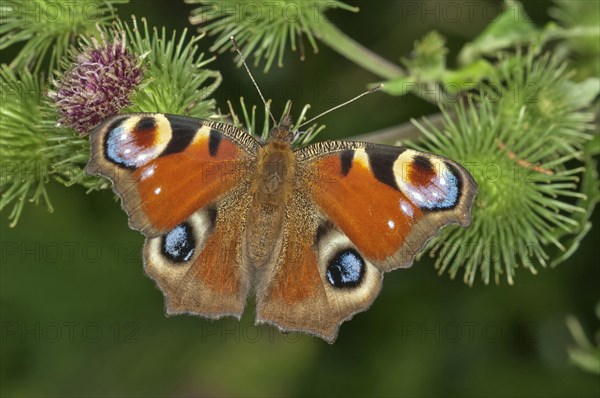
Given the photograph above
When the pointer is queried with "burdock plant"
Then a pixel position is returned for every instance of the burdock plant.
(517, 119)
(512, 111)
(47, 28)
(99, 84)
(121, 67)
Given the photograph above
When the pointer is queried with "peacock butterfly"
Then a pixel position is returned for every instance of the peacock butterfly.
(310, 232)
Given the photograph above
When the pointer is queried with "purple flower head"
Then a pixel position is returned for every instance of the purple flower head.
(98, 85)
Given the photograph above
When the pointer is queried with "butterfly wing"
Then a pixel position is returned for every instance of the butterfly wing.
(388, 200)
(181, 181)
(197, 265)
(366, 209)
(299, 292)
(165, 167)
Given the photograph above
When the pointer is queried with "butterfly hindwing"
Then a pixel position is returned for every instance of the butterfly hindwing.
(319, 280)
(197, 265)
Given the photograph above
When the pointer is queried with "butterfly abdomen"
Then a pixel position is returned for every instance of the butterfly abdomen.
(271, 191)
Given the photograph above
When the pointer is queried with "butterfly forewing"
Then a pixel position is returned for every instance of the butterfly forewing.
(388, 200)
(166, 167)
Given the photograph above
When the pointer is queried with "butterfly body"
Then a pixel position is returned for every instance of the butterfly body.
(309, 232)
(272, 188)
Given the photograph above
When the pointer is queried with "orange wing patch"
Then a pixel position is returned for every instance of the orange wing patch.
(172, 187)
(298, 279)
(296, 292)
(165, 167)
(217, 265)
(292, 295)
(214, 285)
(376, 217)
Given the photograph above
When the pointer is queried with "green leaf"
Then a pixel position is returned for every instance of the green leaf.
(400, 86)
(427, 74)
(428, 59)
(583, 93)
(590, 187)
(513, 27)
(468, 77)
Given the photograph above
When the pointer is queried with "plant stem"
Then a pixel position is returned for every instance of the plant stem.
(357, 53)
(402, 132)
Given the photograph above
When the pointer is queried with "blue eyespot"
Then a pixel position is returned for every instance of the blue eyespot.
(442, 192)
(117, 141)
(131, 147)
(179, 244)
(346, 269)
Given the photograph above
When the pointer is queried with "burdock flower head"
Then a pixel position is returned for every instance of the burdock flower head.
(99, 83)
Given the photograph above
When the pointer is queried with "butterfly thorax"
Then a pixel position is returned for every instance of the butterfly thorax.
(271, 191)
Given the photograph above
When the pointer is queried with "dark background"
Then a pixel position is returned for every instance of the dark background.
(79, 317)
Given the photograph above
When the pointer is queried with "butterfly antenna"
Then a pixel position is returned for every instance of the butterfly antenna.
(369, 91)
(237, 48)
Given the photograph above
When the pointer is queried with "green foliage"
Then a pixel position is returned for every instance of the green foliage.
(524, 138)
(517, 116)
(21, 141)
(248, 123)
(580, 20)
(428, 77)
(33, 149)
(544, 89)
(512, 28)
(264, 29)
(47, 28)
(36, 149)
(175, 77)
(585, 354)
(531, 125)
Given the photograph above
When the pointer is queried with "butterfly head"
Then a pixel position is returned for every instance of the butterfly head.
(282, 132)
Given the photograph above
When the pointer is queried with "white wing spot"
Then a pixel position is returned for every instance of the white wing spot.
(149, 172)
(406, 208)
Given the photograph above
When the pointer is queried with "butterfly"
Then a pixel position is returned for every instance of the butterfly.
(309, 232)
